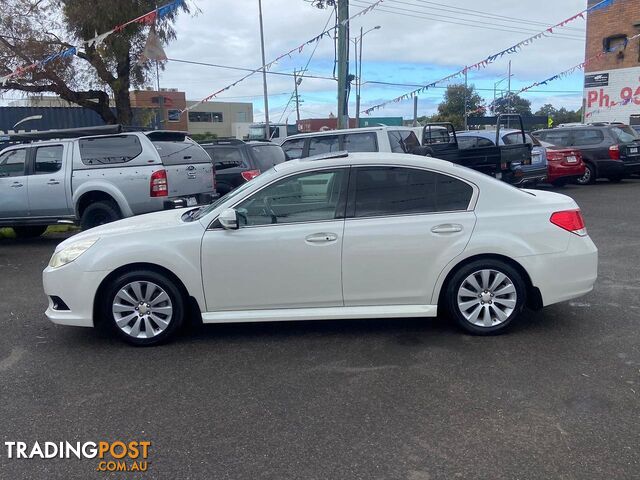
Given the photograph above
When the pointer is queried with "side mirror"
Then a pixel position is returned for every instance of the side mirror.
(229, 219)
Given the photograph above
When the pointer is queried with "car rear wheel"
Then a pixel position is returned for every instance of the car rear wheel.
(144, 307)
(30, 231)
(99, 213)
(486, 296)
(589, 176)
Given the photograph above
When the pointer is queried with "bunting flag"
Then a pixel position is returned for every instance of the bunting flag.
(492, 58)
(569, 71)
(288, 54)
(148, 18)
(152, 49)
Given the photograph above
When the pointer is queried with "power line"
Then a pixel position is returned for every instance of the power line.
(391, 84)
(421, 15)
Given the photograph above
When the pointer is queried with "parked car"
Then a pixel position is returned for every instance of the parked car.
(531, 174)
(237, 162)
(368, 139)
(636, 128)
(70, 177)
(506, 161)
(364, 235)
(608, 150)
(564, 164)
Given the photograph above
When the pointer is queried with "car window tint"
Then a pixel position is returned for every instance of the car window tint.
(324, 144)
(293, 148)
(559, 138)
(485, 142)
(225, 157)
(514, 138)
(435, 135)
(399, 191)
(624, 134)
(587, 137)
(305, 197)
(360, 142)
(48, 159)
(109, 150)
(181, 153)
(12, 163)
(403, 141)
(266, 156)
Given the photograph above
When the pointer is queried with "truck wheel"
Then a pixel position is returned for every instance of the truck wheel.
(30, 231)
(99, 213)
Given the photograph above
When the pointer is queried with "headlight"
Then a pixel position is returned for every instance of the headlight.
(70, 253)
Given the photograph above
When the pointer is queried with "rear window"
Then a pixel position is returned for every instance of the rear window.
(181, 153)
(109, 150)
(587, 137)
(624, 134)
(468, 141)
(266, 156)
(225, 157)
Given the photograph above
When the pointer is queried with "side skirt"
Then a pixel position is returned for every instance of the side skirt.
(322, 313)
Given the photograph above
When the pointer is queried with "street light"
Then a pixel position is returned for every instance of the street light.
(357, 41)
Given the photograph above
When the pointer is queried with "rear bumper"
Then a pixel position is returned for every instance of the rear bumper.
(610, 168)
(567, 275)
(632, 167)
(186, 200)
(529, 175)
(558, 171)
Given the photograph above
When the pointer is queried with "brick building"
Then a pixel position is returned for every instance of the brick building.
(167, 103)
(612, 82)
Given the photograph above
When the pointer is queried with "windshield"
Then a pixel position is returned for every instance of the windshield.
(624, 134)
(233, 193)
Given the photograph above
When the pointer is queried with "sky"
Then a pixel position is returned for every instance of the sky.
(419, 41)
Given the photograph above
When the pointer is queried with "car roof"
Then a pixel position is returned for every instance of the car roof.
(349, 130)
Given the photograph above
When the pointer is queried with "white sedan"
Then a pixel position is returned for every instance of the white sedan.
(369, 235)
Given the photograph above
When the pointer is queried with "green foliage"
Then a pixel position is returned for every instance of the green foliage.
(513, 104)
(452, 108)
(203, 137)
(561, 115)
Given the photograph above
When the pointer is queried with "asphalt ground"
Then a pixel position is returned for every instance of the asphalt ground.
(557, 397)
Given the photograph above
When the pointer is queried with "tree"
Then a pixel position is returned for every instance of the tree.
(452, 108)
(562, 115)
(34, 29)
(512, 104)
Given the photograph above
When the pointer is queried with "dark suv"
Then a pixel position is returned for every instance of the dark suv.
(609, 150)
(237, 162)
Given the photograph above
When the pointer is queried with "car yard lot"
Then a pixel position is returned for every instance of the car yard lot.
(556, 397)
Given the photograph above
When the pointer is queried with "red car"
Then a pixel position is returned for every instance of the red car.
(563, 164)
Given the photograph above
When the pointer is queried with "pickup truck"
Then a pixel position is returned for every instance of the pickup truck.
(501, 161)
(71, 176)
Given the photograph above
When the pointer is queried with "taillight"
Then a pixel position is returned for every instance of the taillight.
(570, 220)
(158, 186)
(250, 174)
(614, 152)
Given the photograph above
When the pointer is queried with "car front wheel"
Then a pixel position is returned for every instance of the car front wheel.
(144, 307)
(486, 296)
(589, 176)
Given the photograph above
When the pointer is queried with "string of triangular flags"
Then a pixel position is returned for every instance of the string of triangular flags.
(492, 58)
(288, 54)
(148, 18)
(569, 71)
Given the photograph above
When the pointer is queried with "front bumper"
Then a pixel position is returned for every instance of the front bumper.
(76, 288)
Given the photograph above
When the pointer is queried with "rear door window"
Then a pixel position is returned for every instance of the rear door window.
(266, 156)
(48, 159)
(181, 153)
(294, 148)
(403, 141)
(12, 163)
(587, 137)
(360, 142)
(323, 144)
(560, 138)
(624, 134)
(109, 150)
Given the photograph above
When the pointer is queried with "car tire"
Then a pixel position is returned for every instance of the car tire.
(143, 307)
(491, 304)
(30, 231)
(589, 177)
(99, 213)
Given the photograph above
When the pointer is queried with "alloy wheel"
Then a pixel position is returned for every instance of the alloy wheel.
(487, 298)
(142, 309)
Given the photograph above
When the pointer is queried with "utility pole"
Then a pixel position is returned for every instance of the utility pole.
(267, 131)
(343, 63)
(415, 111)
(295, 85)
(359, 77)
(509, 90)
(465, 97)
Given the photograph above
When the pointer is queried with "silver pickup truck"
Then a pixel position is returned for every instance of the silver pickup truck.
(98, 179)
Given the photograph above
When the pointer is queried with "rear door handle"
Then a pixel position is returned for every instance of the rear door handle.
(447, 228)
(16, 185)
(321, 237)
(53, 182)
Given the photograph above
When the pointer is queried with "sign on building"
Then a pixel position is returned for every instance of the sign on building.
(612, 96)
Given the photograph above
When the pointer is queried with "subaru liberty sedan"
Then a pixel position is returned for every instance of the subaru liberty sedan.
(348, 236)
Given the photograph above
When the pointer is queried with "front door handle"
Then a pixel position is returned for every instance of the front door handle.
(321, 237)
(53, 182)
(447, 228)
(16, 185)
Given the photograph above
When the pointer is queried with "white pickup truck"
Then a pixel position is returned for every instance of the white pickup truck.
(98, 179)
